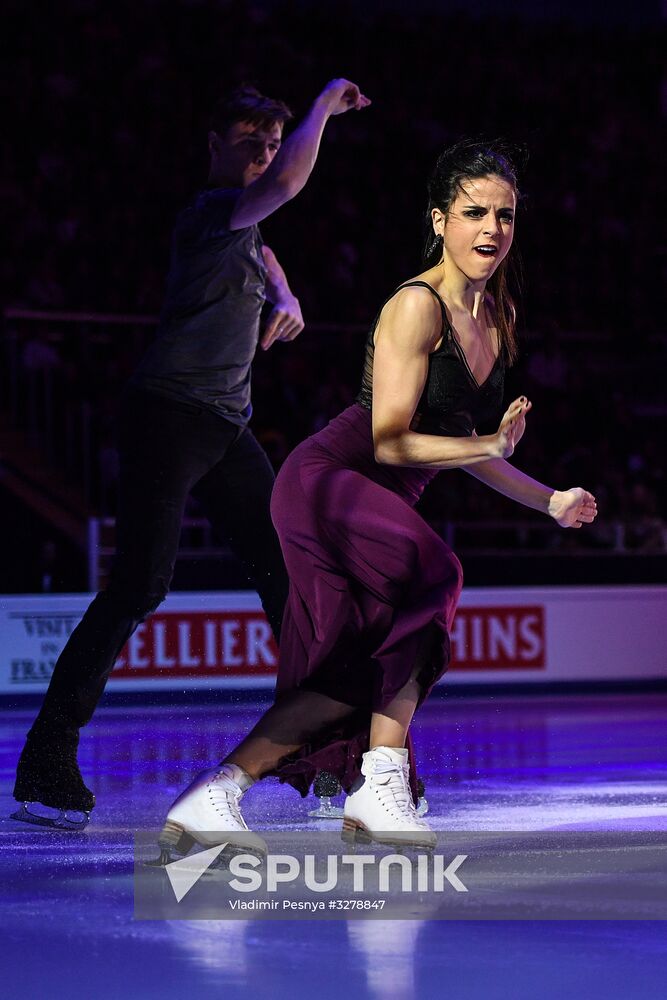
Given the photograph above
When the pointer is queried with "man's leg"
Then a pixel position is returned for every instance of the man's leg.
(236, 496)
(164, 450)
(147, 532)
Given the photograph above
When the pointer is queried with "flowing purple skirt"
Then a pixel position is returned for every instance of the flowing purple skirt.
(373, 589)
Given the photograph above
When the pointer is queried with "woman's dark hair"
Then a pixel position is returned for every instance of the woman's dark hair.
(470, 160)
(246, 104)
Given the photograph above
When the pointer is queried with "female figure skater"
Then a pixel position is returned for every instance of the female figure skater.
(373, 589)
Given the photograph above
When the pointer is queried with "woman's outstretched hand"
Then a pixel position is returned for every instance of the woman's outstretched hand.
(512, 427)
(572, 508)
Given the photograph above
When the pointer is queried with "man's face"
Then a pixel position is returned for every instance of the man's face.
(245, 151)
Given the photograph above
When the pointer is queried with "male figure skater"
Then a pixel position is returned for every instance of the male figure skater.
(183, 421)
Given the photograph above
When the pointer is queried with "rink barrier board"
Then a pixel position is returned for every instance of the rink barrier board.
(535, 635)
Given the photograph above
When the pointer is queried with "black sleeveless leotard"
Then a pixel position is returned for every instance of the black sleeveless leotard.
(453, 402)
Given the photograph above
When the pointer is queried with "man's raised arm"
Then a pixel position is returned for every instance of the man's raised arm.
(293, 163)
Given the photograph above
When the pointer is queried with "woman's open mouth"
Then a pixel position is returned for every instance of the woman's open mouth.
(486, 250)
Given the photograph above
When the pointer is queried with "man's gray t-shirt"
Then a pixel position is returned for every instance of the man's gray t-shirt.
(209, 324)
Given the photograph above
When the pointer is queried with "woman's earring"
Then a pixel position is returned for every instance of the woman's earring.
(437, 242)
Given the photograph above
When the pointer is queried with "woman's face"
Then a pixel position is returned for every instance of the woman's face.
(479, 227)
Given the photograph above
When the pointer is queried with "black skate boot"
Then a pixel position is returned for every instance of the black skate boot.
(48, 775)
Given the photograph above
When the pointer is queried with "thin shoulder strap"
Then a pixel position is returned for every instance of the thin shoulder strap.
(408, 284)
(425, 284)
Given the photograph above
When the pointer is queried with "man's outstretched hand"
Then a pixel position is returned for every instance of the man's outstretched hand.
(341, 95)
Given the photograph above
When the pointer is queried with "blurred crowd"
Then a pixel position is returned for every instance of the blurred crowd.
(109, 110)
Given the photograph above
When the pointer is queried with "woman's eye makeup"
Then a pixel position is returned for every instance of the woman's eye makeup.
(477, 213)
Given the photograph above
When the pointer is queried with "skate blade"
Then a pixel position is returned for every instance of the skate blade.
(354, 833)
(218, 867)
(174, 838)
(327, 812)
(174, 842)
(164, 858)
(62, 821)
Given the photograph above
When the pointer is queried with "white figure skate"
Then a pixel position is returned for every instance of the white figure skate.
(380, 805)
(208, 813)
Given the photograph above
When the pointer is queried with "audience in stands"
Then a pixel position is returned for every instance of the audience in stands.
(116, 99)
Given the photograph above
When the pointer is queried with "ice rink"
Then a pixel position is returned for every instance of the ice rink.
(547, 763)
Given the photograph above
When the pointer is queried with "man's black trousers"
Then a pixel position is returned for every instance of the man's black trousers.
(167, 450)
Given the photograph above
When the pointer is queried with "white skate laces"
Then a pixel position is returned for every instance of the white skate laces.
(380, 806)
(389, 777)
(225, 790)
(208, 813)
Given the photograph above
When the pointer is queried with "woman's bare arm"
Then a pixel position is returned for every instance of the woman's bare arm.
(408, 331)
(569, 508)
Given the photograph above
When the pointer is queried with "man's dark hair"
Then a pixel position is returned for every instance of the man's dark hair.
(246, 104)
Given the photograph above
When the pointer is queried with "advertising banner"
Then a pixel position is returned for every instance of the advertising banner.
(216, 640)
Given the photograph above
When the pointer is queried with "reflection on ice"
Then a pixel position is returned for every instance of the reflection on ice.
(388, 949)
(213, 944)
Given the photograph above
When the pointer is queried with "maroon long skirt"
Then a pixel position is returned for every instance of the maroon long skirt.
(373, 590)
